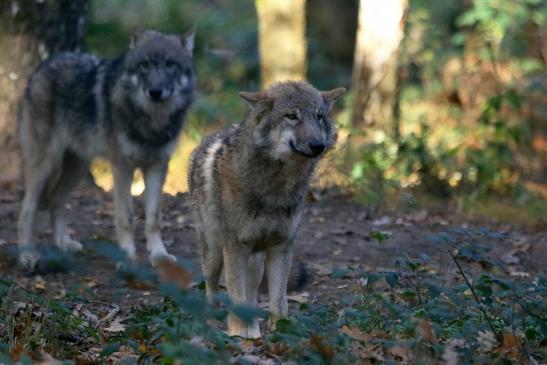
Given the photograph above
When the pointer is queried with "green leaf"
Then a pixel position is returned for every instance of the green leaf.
(379, 236)
(338, 272)
(392, 279)
(109, 349)
(284, 325)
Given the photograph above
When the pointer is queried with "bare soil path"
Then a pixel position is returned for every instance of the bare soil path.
(335, 233)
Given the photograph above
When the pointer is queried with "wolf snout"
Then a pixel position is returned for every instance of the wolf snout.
(158, 94)
(316, 147)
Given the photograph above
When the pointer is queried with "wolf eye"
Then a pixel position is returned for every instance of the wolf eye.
(171, 65)
(144, 66)
(291, 116)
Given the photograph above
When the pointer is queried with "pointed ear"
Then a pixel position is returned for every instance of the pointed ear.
(137, 33)
(253, 98)
(332, 96)
(188, 40)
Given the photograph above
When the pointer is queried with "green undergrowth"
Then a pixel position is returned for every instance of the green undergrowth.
(465, 310)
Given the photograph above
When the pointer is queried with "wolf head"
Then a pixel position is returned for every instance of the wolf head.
(292, 119)
(160, 66)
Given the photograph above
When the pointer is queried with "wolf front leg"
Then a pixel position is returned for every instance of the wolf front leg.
(123, 209)
(154, 178)
(253, 276)
(37, 172)
(278, 265)
(235, 267)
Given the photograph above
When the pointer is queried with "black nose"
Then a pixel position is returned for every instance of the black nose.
(316, 147)
(155, 94)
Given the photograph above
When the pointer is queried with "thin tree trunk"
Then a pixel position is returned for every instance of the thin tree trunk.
(282, 40)
(379, 35)
(30, 30)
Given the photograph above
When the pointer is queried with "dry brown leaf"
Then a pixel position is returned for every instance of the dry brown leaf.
(47, 359)
(170, 271)
(426, 331)
(509, 345)
(323, 348)
(40, 283)
(401, 353)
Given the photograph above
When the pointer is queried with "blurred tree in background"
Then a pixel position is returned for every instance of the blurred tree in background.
(282, 42)
(29, 32)
(379, 35)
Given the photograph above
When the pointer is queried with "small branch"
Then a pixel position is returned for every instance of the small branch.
(483, 311)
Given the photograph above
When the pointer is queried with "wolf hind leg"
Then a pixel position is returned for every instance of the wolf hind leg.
(72, 171)
(253, 277)
(37, 171)
(211, 265)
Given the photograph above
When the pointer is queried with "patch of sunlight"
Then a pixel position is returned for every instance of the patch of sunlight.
(177, 175)
(102, 174)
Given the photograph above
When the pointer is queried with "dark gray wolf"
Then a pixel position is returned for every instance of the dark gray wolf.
(129, 110)
(249, 182)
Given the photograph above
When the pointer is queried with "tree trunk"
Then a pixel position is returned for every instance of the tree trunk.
(30, 30)
(379, 34)
(282, 40)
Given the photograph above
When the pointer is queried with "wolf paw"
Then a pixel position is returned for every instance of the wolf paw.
(29, 258)
(70, 245)
(155, 259)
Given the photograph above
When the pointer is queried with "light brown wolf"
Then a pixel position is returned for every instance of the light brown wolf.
(249, 182)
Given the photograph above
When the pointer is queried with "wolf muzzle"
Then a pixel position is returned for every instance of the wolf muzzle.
(159, 94)
(312, 149)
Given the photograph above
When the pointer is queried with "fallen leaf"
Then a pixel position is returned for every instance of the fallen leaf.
(303, 297)
(450, 356)
(47, 359)
(487, 341)
(385, 220)
(510, 258)
(170, 271)
(323, 348)
(426, 331)
(116, 326)
(40, 283)
(519, 274)
(509, 345)
(322, 268)
(401, 353)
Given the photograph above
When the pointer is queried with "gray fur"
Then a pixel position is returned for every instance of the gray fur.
(129, 110)
(249, 182)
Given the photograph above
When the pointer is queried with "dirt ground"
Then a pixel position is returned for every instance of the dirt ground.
(335, 233)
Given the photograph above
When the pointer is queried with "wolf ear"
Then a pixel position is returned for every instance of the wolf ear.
(188, 39)
(254, 98)
(332, 96)
(137, 33)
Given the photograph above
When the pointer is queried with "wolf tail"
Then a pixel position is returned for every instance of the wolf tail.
(300, 276)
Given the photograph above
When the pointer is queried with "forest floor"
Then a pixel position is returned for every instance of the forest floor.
(337, 235)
